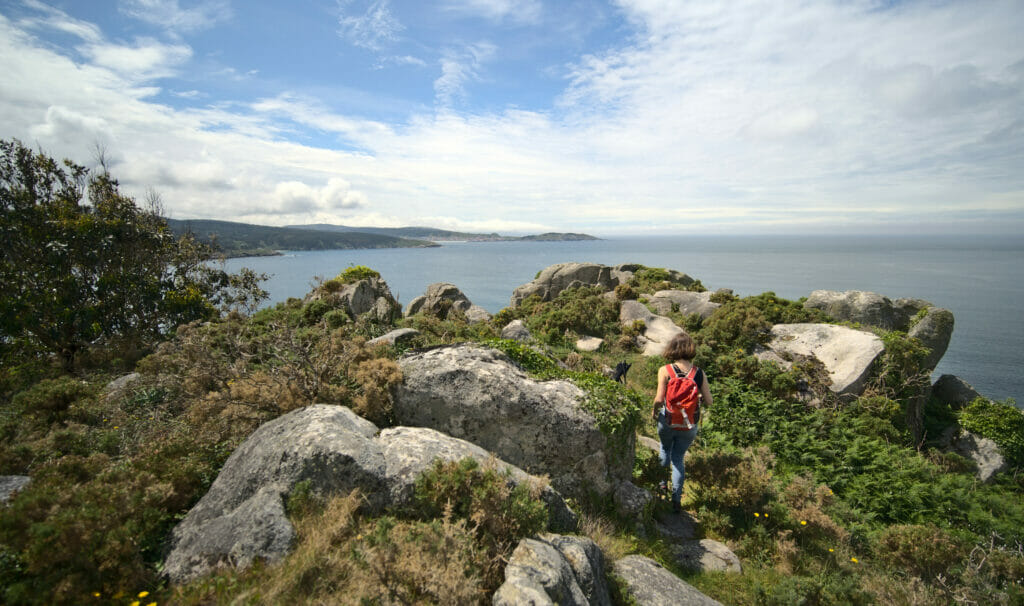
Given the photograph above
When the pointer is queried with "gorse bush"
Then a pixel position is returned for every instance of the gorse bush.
(499, 512)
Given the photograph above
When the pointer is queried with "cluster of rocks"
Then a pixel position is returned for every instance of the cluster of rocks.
(470, 401)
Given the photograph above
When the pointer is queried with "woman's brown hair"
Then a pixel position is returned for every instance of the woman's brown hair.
(681, 347)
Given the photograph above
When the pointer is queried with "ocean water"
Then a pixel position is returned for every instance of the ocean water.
(979, 278)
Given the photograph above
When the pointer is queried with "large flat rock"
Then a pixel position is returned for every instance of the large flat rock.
(846, 353)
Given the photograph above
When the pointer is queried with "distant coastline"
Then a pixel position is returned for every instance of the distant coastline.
(236, 240)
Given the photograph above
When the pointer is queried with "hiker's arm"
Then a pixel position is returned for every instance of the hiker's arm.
(659, 396)
(705, 394)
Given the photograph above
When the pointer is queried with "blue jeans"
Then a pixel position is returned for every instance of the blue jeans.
(673, 448)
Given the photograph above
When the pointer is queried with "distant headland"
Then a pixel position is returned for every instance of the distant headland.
(235, 239)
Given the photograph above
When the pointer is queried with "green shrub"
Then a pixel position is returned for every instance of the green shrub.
(924, 550)
(1002, 422)
(653, 279)
(738, 325)
(314, 310)
(50, 399)
(577, 311)
(499, 512)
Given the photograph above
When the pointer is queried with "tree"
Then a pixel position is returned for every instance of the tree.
(80, 271)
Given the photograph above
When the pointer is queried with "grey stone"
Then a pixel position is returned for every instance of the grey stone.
(589, 343)
(409, 451)
(984, 452)
(860, 306)
(650, 444)
(10, 485)
(399, 334)
(677, 527)
(119, 387)
(587, 564)
(242, 516)
(659, 329)
(475, 314)
(537, 568)
(516, 331)
(650, 584)
(438, 300)
(684, 301)
(934, 331)
(368, 296)
(953, 390)
(631, 500)
(706, 555)
(847, 354)
(563, 276)
(480, 395)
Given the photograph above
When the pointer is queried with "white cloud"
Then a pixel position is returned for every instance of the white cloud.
(458, 68)
(297, 198)
(521, 11)
(372, 29)
(170, 15)
(714, 117)
(147, 59)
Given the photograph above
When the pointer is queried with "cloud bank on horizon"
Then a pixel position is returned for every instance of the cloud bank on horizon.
(604, 116)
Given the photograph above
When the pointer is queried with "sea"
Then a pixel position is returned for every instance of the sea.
(980, 278)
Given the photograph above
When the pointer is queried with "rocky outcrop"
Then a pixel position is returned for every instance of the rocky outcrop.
(242, 517)
(554, 569)
(395, 336)
(368, 296)
(846, 353)
(683, 301)
(706, 555)
(859, 306)
(953, 390)
(441, 298)
(589, 343)
(658, 330)
(630, 500)
(10, 485)
(516, 331)
(409, 451)
(563, 276)
(480, 395)
(934, 329)
(648, 583)
(984, 452)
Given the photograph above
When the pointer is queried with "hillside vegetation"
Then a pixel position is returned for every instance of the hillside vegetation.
(824, 502)
(430, 233)
(243, 239)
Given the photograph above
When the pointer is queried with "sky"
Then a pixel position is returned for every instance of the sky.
(630, 117)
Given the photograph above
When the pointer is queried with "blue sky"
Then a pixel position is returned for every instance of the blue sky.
(608, 117)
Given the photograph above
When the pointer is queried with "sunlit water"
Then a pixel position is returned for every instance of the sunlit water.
(981, 279)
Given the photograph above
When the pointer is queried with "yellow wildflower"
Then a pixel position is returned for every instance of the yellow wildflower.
(854, 560)
(95, 594)
(135, 603)
(830, 550)
(803, 522)
(757, 515)
(143, 594)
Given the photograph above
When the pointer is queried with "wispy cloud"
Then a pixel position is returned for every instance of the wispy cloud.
(170, 15)
(458, 68)
(517, 11)
(372, 27)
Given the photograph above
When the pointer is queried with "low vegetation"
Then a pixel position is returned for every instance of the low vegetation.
(824, 501)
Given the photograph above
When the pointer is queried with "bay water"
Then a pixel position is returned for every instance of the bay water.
(979, 278)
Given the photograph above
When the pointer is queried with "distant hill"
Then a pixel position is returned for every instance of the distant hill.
(244, 239)
(438, 235)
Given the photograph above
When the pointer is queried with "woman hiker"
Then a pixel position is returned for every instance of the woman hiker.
(682, 387)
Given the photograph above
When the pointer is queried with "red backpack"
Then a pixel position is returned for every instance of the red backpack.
(682, 398)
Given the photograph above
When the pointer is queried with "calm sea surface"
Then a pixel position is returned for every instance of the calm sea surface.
(979, 278)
